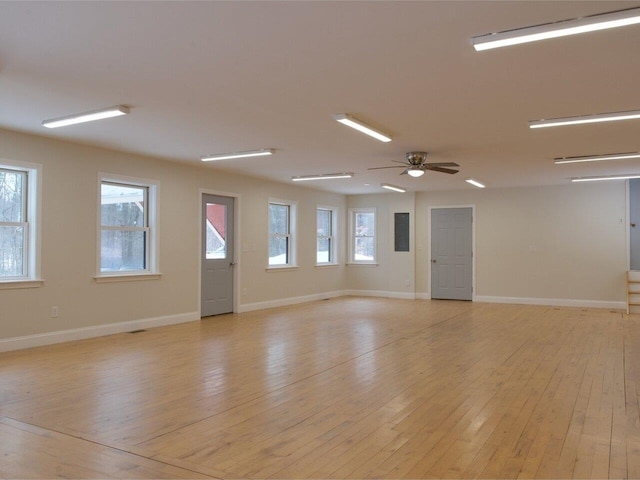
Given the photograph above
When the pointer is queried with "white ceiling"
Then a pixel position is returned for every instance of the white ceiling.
(214, 77)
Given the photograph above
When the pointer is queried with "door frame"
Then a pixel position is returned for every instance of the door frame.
(473, 244)
(236, 244)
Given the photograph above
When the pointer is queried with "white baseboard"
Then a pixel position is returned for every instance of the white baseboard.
(39, 340)
(552, 302)
(381, 293)
(283, 302)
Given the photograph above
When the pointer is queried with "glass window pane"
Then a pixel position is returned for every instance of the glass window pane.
(123, 250)
(12, 198)
(123, 205)
(324, 250)
(12, 242)
(365, 225)
(279, 219)
(216, 231)
(278, 251)
(324, 222)
(364, 250)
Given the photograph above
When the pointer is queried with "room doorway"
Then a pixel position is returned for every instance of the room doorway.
(217, 255)
(452, 253)
(634, 221)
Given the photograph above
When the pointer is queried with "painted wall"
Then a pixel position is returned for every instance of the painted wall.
(559, 242)
(69, 233)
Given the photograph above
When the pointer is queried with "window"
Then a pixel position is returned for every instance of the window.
(282, 216)
(326, 227)
(19, 189)
(362, 227)
(127, 233)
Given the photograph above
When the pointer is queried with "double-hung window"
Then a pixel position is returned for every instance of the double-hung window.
(127, 227)
(326, 227)
(282, 223)
(362, 229)
(19, 188)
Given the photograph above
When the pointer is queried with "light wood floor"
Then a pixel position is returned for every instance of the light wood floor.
(345, 388)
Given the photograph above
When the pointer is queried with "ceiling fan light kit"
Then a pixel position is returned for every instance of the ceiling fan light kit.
(564, 28)
(100, 114)
(415, 172)
(359, 125)
(324, 176)
(230, 156)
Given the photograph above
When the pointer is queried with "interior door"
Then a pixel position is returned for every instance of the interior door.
(217, 255)
(452, 253)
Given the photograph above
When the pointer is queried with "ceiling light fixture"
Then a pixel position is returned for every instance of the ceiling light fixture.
(325, 176)
(229, 156)
(600, 117)
(611, 177)
(388, 186)
(86, 116)
(359, 125)
(596, 158)
(475, 183)
(415, 172)
(563, 28)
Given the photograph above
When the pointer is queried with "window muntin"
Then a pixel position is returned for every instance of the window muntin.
(325, 246)
(14, 224)
(363, 236)
(125, 231)
(282, 228)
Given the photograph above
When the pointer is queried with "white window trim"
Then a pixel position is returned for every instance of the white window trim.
(333, 259)
(293, 237)
(152, 272)
(352, 237)
(32, 275)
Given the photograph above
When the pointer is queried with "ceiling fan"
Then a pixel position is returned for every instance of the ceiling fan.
(415, 165)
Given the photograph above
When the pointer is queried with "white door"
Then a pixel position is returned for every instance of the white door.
(634, 217)
(451, 253)
(217, 255)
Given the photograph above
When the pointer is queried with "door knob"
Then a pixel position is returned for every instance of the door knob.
(433, 261)
(232, 264)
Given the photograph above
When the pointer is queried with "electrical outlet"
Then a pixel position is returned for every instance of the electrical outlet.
(54, 312)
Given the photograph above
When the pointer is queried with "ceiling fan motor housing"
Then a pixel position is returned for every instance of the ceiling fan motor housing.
(416, 158)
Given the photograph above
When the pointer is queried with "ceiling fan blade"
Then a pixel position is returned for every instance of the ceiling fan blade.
(443, 164)
(393, 166)
(440, 169)
(398, 161)
(405, 172)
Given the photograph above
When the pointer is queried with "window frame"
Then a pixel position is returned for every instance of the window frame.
(152, 188)
(353, 236)
(290, 235)
(32, 207)
(333, 240)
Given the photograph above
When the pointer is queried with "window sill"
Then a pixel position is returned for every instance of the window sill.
(362, 264)
(13, 284)
(284, 268)
(133, 277)
(327, 265)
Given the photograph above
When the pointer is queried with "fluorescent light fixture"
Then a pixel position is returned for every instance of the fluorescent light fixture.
(596, 158)
(352, 122)
(611, 177)
(563, 28)
(229, 156)
(475, 183)
(600, 117)
(86, 116)
(388, 186)
(415, 172)
(325, 176)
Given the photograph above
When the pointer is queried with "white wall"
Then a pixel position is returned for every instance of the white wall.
(545, 243)
(69, 230)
